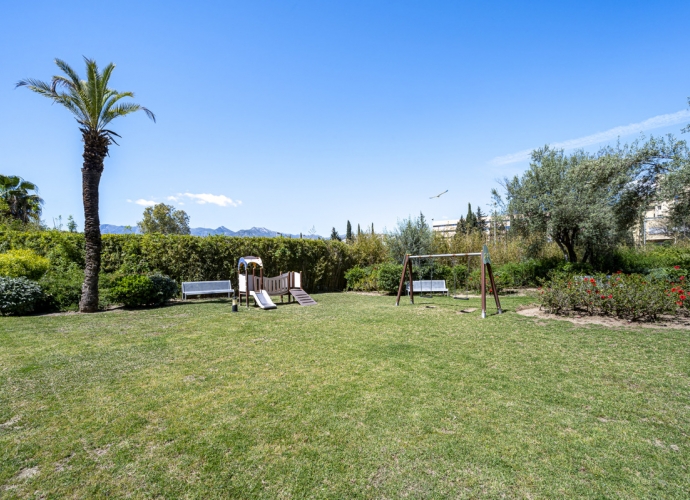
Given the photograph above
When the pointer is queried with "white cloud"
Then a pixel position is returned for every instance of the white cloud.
(143, 202)
(633, 128)
(214, 199)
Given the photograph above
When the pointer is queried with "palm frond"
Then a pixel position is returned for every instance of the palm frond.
(67, 69)
(90, 100)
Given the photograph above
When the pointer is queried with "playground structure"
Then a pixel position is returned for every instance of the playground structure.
(261, 288)
(486, 271)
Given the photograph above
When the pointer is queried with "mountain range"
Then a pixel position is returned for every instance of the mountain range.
(204, 231)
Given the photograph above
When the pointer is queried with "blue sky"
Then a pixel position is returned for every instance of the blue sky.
(298, 114)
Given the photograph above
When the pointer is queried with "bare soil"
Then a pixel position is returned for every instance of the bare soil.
(534, 311)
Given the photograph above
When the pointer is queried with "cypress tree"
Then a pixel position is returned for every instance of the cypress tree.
(348, 233)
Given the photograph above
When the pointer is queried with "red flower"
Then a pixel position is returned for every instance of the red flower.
(679, 303)
(682, 297)
(603, 296)
(676, 267)
(674, 289)
(682, 278)
(586, 280)
(592, 280)
(610, 296)
(589, 291)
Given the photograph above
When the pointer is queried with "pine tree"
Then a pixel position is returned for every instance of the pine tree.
(481, 222)
(470, 219)
(348, 233)
(461, 228)
(334, 235)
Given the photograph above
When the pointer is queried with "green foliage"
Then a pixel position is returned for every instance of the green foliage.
(20, 200)
(164, 219)
(412, 236)
(19, 296)
(141, 290)
(63, 287)
(628, 296)
(474, 282)
(348, 232)
(361, 279)
(389, 277)
(334, 235)
(193, 258)
(587, 203)
(23, 263)
(71, 224)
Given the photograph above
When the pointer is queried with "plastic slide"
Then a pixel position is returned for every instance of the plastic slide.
(263, 300)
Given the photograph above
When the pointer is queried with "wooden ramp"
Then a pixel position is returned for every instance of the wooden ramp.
(302, 297)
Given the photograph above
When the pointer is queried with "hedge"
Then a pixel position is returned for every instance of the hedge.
(195, 258)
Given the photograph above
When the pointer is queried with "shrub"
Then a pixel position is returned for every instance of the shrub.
(632, 296)
(362, 279)
(63, 287)
(140, 290)
(19, 296)
(389, 277)
(474, 281)
(23, 263)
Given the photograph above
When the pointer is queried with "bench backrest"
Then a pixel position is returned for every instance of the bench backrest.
(207, 286)
(428, 285)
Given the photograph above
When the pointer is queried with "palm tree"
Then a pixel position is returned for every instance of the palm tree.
(20, 203)
(94, 106)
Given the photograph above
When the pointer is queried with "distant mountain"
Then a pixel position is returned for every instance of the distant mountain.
(203, 231)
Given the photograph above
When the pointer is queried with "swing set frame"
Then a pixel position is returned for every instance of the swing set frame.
(486, 272)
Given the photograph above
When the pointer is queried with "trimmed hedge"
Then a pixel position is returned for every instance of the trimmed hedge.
(194, 258)
(139, 290)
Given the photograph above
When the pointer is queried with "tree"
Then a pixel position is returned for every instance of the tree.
(359, 231)
(164, 219)
(461, 227)
(480, 220)
(334, 235)
(470, 219)
(94, 106)
(412, 236)
(348, 232)
(71, 225)
(589, 202)
(20, 198)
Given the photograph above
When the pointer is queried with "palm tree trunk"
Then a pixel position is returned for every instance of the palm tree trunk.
(95, 149)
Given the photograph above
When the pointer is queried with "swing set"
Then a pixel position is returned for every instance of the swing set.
(486, 272)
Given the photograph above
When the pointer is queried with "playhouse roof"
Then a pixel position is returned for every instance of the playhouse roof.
(250, 260)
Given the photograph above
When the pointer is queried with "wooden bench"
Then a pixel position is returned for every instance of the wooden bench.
(428, 286)
(206, 288)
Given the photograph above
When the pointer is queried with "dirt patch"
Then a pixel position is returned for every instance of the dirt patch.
(533, 311)
(370, 294)
(28, 473)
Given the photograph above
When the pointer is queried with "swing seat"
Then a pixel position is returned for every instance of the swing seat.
(428, 286)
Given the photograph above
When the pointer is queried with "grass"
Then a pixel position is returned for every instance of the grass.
(350, 398)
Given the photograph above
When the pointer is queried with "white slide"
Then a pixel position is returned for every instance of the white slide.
(263, 300)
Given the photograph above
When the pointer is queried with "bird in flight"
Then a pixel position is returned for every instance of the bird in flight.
(438, 195)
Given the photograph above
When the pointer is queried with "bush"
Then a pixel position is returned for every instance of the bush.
(632, 296)
(474, 281)
(23, 264)
(389, 277)
(19, 296)
(140, 290)
(63, 287)
(362, 279)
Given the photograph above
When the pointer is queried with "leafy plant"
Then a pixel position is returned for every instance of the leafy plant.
(628, 296)
(62, 286)
(19, 296)
(140, 290)
(23, 263)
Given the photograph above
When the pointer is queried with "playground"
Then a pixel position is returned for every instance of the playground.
(353, 398)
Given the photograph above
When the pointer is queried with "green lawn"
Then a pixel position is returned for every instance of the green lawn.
(350, 398)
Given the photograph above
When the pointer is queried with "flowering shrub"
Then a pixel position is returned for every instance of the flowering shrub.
(629, 296)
